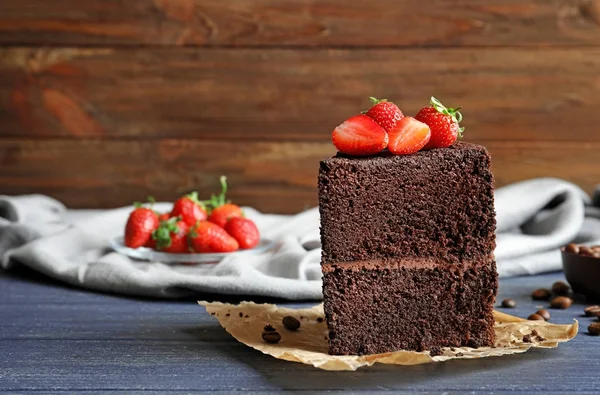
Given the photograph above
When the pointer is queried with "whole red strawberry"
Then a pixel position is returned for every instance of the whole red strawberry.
(189, 208)
(359, 136)
(171, 236)
(220, 209)
(443, 122)
(385, 113)
(209, 237)
(140, 224)
(244, 230)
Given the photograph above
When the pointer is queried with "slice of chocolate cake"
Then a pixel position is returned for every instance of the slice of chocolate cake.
(408, 245)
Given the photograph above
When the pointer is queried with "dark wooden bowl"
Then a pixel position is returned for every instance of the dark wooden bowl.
(582, 273)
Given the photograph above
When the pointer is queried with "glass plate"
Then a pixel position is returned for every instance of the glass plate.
(149, 254)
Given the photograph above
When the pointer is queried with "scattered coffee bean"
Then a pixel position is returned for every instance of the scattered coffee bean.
(586, 251)
(271, 337)
(595, 313)
(290, 323)
(509, 303)
(590, 310)
(320, 319)
(545, 314)
(541, 294)
(535, 317)
(594, 328)
(572, 248)
(561, 302)
(560, 288)
(269, 328)
(527, 339)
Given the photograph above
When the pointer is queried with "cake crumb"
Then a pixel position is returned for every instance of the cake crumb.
(320, 319)
(227, 315)
(246, 316)
(241, 314)
(459, 354)
(435, 351)
(527, 339)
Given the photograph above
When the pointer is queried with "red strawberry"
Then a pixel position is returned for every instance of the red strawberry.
(244, 230)
(140, 224)
(443, 122)
(221, 209)
(408, 136)
(385, 113)
(359, 136)
(171, 236)
(209, 237)
(189, 208)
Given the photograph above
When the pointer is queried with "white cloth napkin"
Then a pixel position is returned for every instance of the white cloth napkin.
(534, 218)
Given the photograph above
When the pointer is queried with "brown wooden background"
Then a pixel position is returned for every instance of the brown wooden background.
(103, 102)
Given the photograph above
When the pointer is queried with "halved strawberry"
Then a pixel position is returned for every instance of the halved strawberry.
(385, 113)
(359, 136)
(408, 136)
(208, 237)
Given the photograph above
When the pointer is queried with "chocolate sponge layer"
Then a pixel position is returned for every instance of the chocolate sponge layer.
(371, 311)
(436, 203)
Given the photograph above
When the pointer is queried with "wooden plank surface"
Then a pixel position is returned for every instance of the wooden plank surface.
(284, 95)
(271, 176)
(55, 339)
(301, 23)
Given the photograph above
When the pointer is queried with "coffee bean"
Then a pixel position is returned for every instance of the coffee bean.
(271, 337)
(269, 328)
(535, 317)
(595, 313)
(509, 303)
(561, 302)
(291, 323)
(589, 310)
(572, 248)
(594, 328)
(560, 288)
(586, 251)
(545, 314)
(541, 294)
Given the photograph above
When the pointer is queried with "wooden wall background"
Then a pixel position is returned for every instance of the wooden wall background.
(103, 102)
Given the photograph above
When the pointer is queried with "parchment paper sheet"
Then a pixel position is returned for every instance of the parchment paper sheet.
(308, 345)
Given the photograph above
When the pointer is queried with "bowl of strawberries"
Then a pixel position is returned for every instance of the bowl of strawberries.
(193, 231)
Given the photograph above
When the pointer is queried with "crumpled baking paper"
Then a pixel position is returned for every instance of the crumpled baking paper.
(308, 345)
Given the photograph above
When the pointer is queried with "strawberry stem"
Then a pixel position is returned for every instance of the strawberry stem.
(375, 100)
(220, 199)
(162, 234)
(452, 112)
(193, 196)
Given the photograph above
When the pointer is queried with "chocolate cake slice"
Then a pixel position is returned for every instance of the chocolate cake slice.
(407, 255)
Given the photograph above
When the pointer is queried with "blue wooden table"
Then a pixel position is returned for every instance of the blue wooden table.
(56, 339)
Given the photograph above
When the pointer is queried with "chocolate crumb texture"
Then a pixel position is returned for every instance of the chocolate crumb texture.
(527, 339)
(534, 333)
(540, 338)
